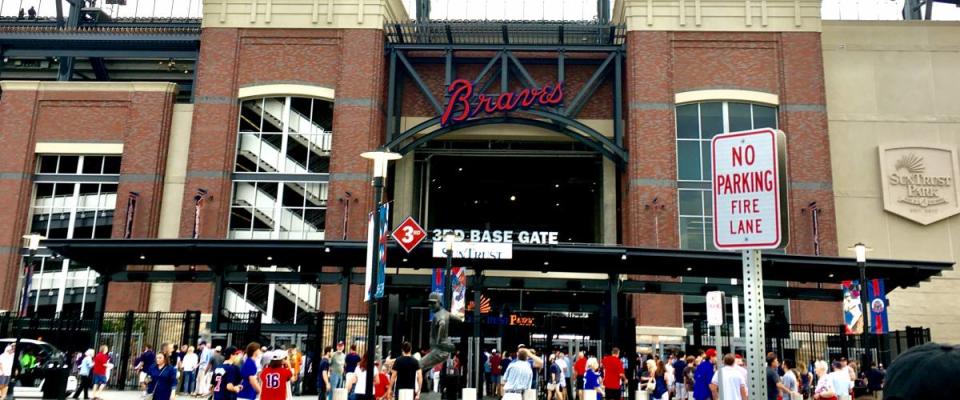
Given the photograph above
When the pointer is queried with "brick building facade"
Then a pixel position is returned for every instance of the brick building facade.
(767, 56)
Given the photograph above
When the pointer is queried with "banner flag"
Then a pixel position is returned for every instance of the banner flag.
(852, 308)
(369, 271)
(459, 278)
(436, 285)
(382, 249)
(878, 307)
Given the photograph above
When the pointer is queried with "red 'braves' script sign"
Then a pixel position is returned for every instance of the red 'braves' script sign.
(749, 190)
(470, 104)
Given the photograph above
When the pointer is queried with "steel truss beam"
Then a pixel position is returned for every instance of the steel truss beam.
(504, 63)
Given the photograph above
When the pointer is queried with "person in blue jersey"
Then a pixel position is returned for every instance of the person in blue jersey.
(227, 382)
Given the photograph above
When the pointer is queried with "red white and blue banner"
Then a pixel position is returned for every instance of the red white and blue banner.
(459, 278)
(878, 307)
(852, 308)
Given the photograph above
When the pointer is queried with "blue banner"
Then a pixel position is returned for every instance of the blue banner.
(382, 249)
(878, 307)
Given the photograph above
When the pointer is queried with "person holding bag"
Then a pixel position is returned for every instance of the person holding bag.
(163, 380)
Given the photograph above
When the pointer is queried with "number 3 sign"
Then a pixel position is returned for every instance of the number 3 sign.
(409, 234)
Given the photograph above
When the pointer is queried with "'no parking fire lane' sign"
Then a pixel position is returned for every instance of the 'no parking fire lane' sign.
(749, 190)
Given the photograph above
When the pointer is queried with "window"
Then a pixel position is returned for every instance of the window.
(75, 196)
(697, 124)
(282, 168)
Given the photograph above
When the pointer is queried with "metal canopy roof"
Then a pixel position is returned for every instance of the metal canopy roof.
(463, 34)
(114, 255)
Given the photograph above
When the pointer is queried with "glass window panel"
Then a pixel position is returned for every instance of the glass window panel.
(707, 167)
(269, 152)
(707, 202)
(299, 119)
(316, 194)
(266, 199)
(68, 164)
(292, 194)
(248, 150)
(108, 188)
(687, 125)
(688, 160)
(83, 232)
(250, 115)
(764, 117)
(323, 114)
(690, 202)
(92, 165)
(297, 155)
(273, 114)
(708, 238)
(243, 193)
(291, 220)
(711, 119)
(43, 193)
(104, 227)
(739, 117)
(47, 165)
(40, 220)
(241, 218)
(319, 163)
(691, 233)
(315, 218)
(111, 165)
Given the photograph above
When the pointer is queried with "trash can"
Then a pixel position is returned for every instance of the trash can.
(55, 377)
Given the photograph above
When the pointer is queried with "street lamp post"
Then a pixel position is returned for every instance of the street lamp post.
(381, 159)
(448, 239)
(861, 251)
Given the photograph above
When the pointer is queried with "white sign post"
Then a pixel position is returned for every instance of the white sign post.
(750, 214)
(715, 316)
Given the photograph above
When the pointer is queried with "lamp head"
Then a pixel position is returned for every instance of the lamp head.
(381, 158)
(860, 250)
(448, 239)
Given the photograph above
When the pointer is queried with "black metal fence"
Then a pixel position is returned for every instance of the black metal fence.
(124, 333)
(807, 342)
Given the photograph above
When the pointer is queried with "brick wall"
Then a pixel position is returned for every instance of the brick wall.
(349, 61)
(138, 119)
(787, 64)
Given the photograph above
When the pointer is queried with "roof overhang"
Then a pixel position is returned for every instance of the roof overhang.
(115, 255)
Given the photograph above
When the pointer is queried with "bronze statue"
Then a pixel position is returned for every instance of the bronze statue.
(440, 344)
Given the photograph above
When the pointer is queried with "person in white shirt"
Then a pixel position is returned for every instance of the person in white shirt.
(734, 384)
(841, 381)
(189, 364)
(6, 369)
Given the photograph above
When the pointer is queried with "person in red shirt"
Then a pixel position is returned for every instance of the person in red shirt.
(274, 378)
(381, 384)
(613, 375)
(99, 371)
(580, 368)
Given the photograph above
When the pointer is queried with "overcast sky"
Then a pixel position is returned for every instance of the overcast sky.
(490, 9)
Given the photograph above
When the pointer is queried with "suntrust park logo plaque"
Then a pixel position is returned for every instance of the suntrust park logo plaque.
(920, 182)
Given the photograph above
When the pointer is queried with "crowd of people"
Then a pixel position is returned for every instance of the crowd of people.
(255, 372)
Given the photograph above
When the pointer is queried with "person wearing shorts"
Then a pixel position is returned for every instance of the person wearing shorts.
(100, 362)
(6, 369)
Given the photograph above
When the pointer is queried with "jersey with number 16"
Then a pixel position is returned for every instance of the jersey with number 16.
(274, 383)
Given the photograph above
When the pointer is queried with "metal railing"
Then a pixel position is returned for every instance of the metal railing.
(105, 12)
(125, 334)
(807, 342)
(879, 10)
(506, 32)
